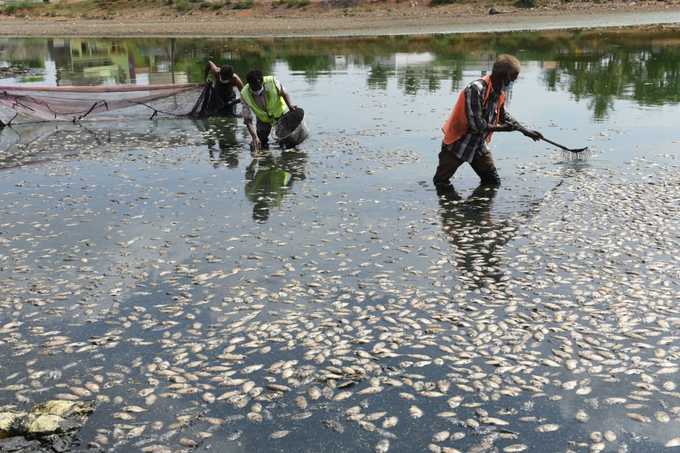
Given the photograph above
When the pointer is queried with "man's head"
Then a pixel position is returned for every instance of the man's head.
(255, 80)
(505, 70)
(226, 73)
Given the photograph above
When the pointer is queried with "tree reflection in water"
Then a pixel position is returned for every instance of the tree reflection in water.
(601, 68)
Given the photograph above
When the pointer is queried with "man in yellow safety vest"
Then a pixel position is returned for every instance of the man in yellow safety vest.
(264, 98)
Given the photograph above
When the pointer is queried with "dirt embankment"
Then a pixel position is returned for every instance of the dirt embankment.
(323, 17)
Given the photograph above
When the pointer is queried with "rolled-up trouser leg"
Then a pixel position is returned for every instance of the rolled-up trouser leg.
(263, 130)
(485, 168)
(448, 164)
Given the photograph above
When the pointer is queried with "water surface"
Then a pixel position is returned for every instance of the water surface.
(162, 256)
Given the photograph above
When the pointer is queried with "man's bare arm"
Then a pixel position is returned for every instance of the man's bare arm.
(213, 67)
(286, 98)
(238, 83)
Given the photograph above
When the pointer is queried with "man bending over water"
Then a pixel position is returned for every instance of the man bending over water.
(477, 114)
(264, 98)
(225, 83)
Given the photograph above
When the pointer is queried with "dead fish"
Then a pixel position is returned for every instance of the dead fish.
(314, 393)
(375, 416)
(493, 421)
(186, 442)
(662, 417)
(370, 390)
(638, 417)
(582, 416)
(382, 446)
(136, 432)
(301, 402)
(301, 415)
(610, 436)
(547, 428)
(390, 422)
(673, 443)
(515, 448)
(279, 434)
(342, 396)
(415, 412)
(441, 436)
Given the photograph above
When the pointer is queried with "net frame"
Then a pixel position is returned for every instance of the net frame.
(75, 103)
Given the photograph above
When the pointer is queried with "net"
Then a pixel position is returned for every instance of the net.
(76, 103)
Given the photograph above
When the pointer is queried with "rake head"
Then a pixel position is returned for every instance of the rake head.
(576, 153)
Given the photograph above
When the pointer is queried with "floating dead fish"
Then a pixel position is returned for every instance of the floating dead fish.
(547, 428)
(514, 448)
(415, 412)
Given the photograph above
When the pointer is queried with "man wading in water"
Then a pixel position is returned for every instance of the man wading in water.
(225, 82)
(268, 101)
(478, 113)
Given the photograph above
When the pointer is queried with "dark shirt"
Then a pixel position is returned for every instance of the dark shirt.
(224, 99)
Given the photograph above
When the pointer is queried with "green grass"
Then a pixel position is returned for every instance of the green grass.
(291, 3)
(182, 6)
(243, 4)
(12, 8)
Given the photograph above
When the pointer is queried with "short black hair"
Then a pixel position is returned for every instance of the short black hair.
(254, 78)
(226, 72)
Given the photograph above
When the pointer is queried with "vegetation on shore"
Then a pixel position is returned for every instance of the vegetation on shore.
(108, 9)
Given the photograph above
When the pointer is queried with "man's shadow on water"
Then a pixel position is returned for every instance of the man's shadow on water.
(269, 179)
(471, 228)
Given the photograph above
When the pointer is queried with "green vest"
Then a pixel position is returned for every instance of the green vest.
(276, 106)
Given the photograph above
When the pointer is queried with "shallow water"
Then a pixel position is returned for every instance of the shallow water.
(162, 256)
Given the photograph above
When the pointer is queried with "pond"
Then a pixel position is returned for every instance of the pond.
(208, 298)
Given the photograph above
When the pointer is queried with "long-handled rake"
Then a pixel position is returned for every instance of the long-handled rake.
(567, 153)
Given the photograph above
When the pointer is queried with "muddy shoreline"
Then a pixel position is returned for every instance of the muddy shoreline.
(421, 20)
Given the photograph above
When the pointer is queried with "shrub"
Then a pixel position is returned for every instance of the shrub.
(526, 3)
(182, 5)
(219, 5)
(291, 3)
(442, 2)
(12, 8)
(243, 4)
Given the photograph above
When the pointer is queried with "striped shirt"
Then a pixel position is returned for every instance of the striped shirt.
(479, 118)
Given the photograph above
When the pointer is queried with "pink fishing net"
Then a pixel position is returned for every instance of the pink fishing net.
(76, 103)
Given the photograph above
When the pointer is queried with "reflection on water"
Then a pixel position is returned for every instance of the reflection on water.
(223, 146)
(477, 234)
(650, 76)
(295, 301)
(268, 179)
(600, 68)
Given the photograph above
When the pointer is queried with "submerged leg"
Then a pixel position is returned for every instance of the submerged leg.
(263, 131)
(448, 164)
(485, 168)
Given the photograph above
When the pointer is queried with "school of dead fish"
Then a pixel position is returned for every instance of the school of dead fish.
(545, 328)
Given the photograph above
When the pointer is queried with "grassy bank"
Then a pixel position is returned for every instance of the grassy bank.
(121, 9)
